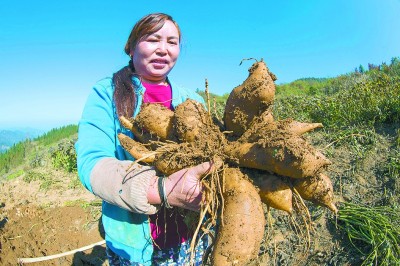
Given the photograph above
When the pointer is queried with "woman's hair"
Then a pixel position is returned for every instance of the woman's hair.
(124, 96)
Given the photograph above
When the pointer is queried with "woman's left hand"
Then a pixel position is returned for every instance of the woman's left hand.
(183, 188)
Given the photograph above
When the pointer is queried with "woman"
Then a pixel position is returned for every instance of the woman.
(139, 229)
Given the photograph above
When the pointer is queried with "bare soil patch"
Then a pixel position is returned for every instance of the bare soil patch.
(36, 222)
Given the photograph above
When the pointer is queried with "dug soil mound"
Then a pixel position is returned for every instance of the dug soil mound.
(36, 222)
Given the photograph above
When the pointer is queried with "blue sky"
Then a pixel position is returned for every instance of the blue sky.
(53, 52)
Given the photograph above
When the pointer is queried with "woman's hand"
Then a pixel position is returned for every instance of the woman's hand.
(183, 188)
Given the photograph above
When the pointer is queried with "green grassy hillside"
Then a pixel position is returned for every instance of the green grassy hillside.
(55, 146)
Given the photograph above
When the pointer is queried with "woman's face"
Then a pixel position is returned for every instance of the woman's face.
(155, 55)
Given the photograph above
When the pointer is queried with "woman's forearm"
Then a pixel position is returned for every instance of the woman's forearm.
(124, 185)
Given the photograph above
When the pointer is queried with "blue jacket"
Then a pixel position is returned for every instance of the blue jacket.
(126, 233)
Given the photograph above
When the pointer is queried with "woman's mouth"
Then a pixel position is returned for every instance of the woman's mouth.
(159, 63)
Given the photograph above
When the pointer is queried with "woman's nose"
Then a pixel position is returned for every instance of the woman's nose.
(162, 47)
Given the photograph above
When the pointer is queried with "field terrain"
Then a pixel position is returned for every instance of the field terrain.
(44, 210)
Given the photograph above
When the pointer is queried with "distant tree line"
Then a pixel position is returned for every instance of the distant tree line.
(383, 67)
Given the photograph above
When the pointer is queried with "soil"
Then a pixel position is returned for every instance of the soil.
(36, 222)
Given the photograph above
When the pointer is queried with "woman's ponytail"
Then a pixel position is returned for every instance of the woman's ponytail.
(124, 91)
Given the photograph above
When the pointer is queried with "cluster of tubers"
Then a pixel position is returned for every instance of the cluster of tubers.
(264, 160)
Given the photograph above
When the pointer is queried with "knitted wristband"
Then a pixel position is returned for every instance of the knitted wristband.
(161, 192)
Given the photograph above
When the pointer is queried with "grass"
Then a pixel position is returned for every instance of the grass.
(394, 165)
(75, 183)
(359, 140)
(378, 228)
(46, 180)
(370, 101)
(390, 175)
(352, 108)
(83, 203)
(15, 174)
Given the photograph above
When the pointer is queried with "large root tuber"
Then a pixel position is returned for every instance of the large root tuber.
(261, 125)
(153, 123)
(274, 190)
(194, 125)
(317, 189)
(291, 157)
(136, 149)
(253, 97)
(242, 224)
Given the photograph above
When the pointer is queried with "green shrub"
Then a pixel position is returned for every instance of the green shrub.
(296, 107)
(64, 156)
(375, 101)
(371, 100)
(217, 103)
(301, 87)
(37, 160)
(18, 153)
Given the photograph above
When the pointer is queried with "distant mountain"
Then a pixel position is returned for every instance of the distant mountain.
(9, 137)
